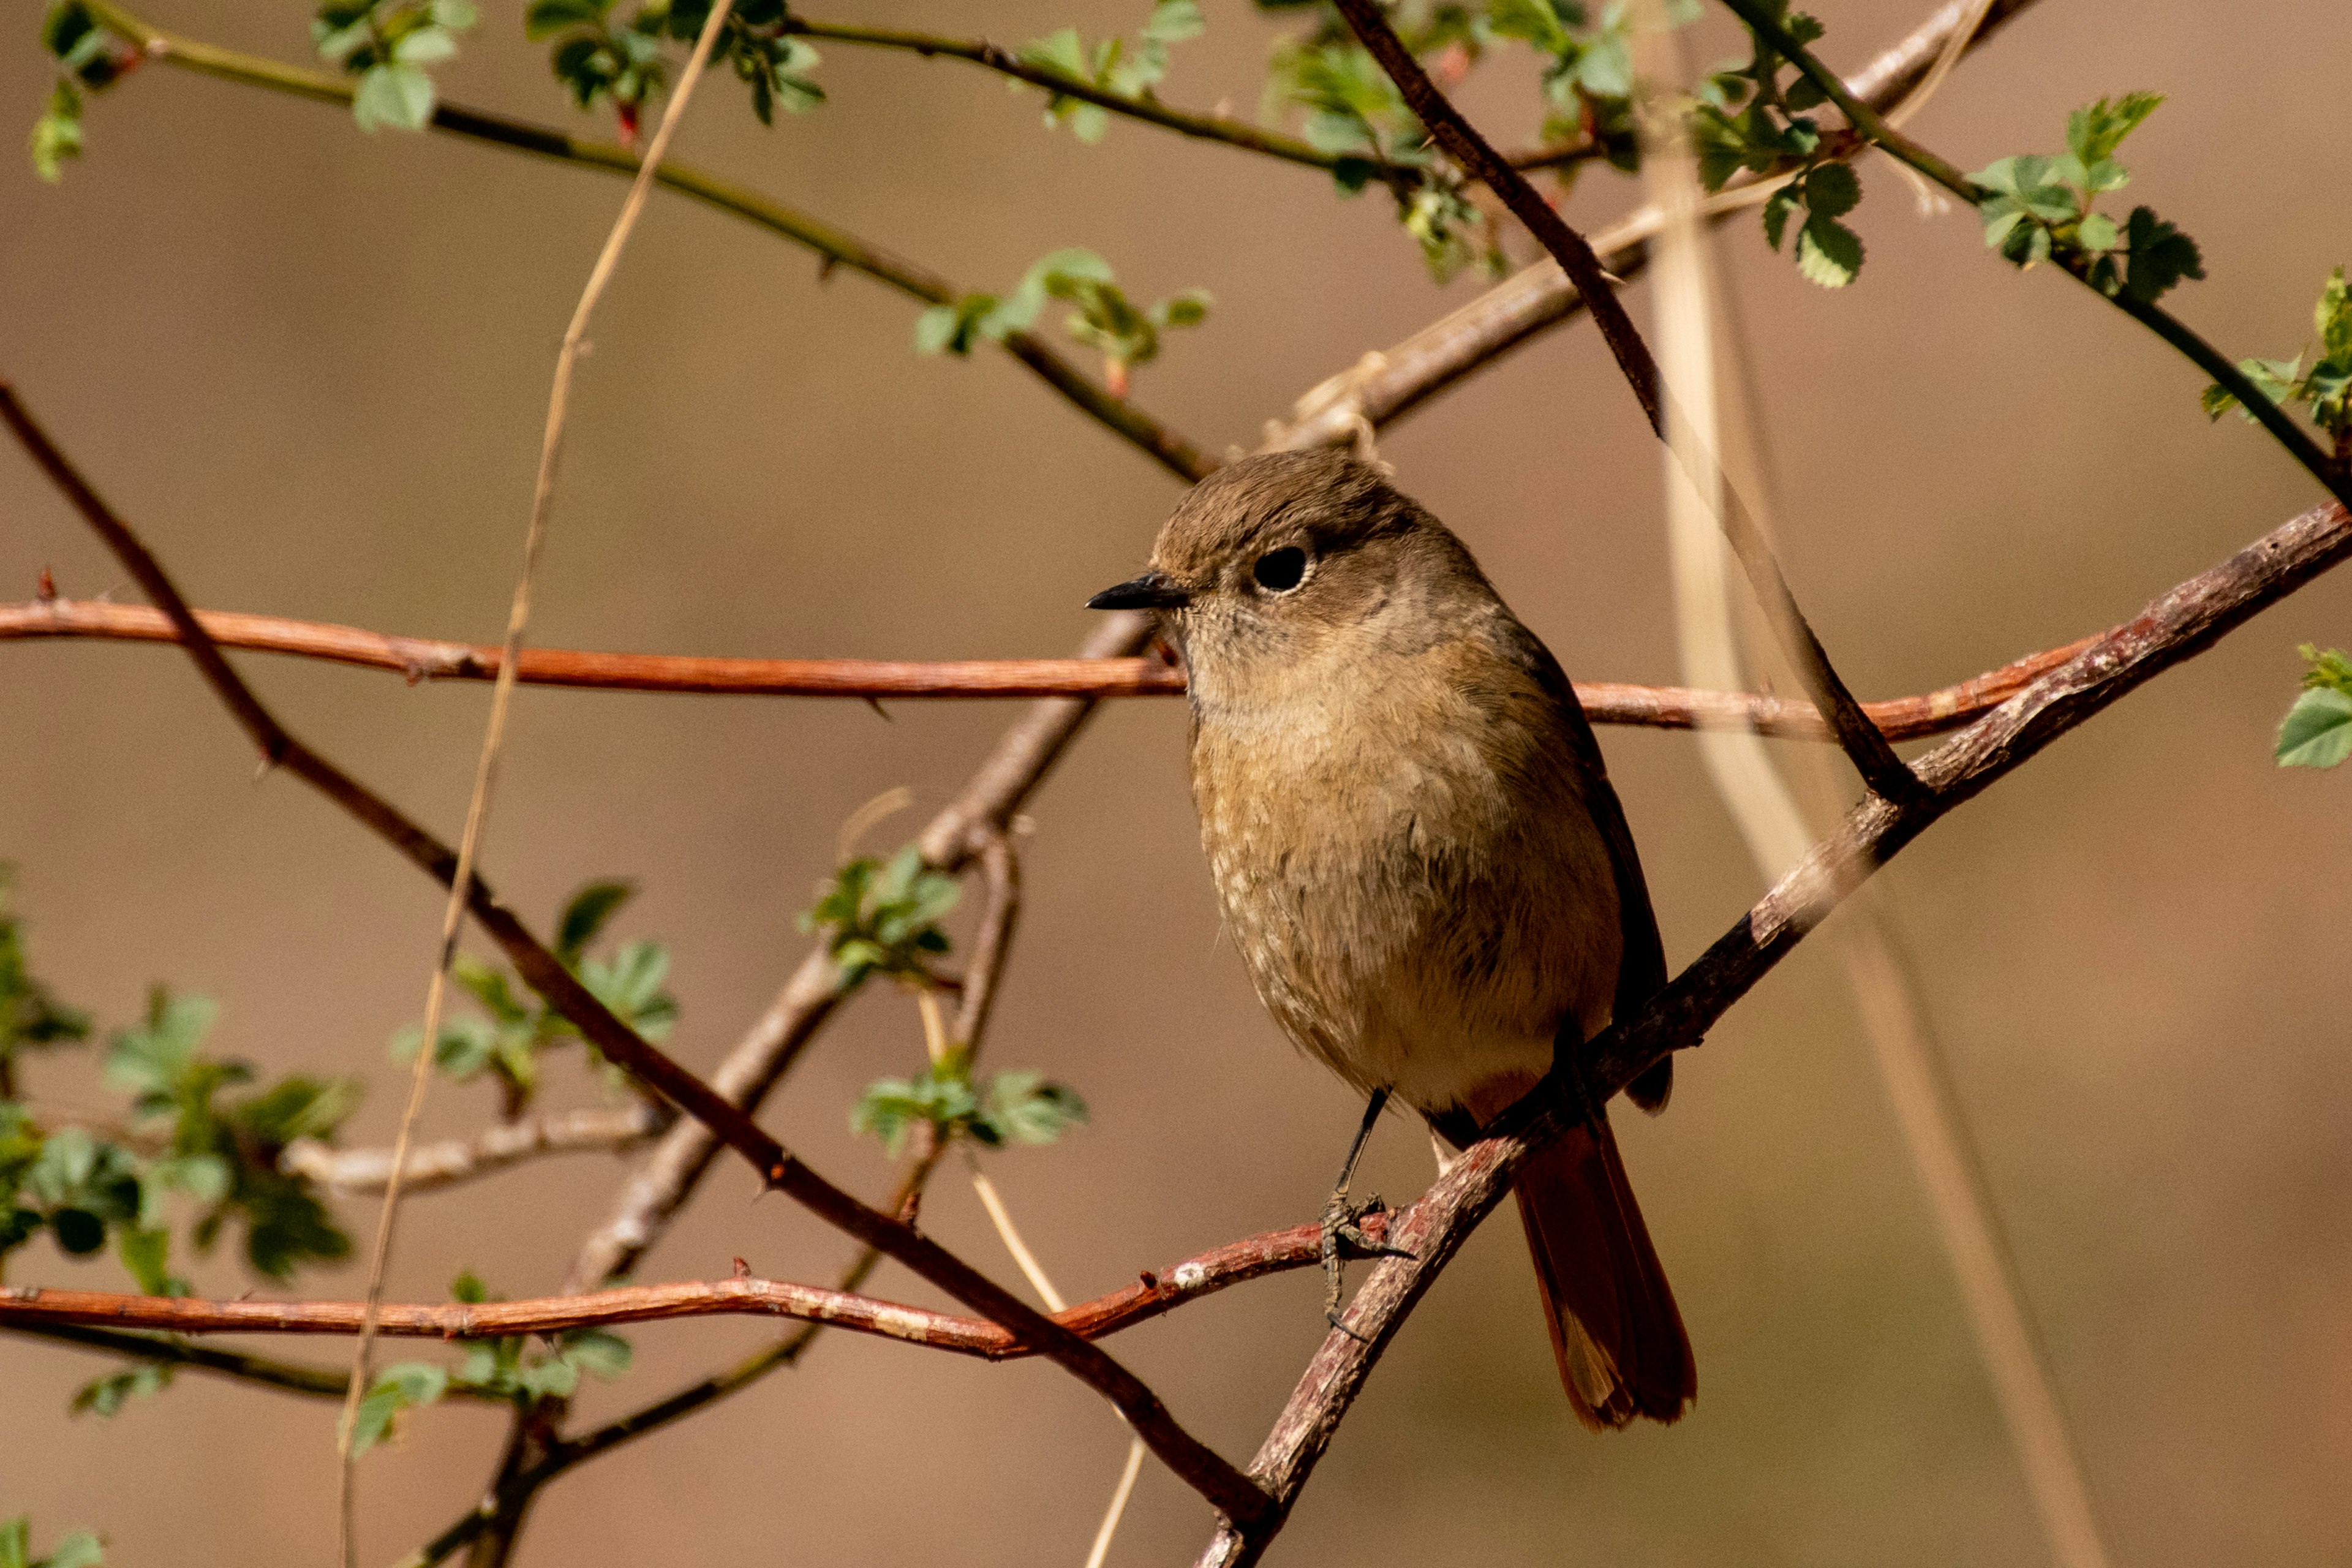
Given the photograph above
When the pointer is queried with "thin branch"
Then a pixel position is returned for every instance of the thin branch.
(1872, 757)
(1153, 1295)
(1605, 702)
(1194, 1461)
(2176, 627)
(1236, 134)
(2204, 356)
(285, 1376)
(454, 1161)
(838, 246)
(1206, 127)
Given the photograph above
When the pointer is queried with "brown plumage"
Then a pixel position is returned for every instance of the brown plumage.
(1419, 855)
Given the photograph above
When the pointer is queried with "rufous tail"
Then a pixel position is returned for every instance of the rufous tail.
(1614, 1326)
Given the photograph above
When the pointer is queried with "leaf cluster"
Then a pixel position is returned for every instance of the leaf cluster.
(1124, 69)
(1125, 333)
(2043, 208)
(2326, 389)
(30, 1018)
(882, 919)
(624, 64)
(1746, 117)
(2317, 729)
(88, 59)
(81, 1549)
(1587, 76)
(509, 1367)
(387, 44)
(514, 1027)
(1019, 1107)
(184, 1137)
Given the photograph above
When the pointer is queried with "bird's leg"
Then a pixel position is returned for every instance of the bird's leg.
(1343, 1221)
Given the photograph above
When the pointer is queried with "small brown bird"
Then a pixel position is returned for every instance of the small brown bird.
(1421, 860)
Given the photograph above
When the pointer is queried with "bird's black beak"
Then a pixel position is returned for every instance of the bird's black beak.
(1153, 591)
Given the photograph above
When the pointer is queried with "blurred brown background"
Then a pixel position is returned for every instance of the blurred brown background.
(313, 365)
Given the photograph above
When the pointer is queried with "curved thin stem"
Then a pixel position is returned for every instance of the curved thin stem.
(1148, 110)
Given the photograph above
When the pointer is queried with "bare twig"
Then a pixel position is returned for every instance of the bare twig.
(1872, 757)
(1605, 702)
(838, 246)
(2176, 627)
(1190, 1459)
(598, 1129)
(1153, 1295)
(284, 1376)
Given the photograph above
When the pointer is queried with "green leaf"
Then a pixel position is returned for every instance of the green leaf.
(2332, 318)
(2092, 134)
(1831, 190)
(599, 1354)
(81, 1549)
(400, 96)
(104, 1396)
(57, 135)
(405, 1386)
(2161, 257)
(2317, 729)
(147, 1254)
(1173, 21)
(1026, 1109)
(545, 18)
(1828, 253)
(586, 914)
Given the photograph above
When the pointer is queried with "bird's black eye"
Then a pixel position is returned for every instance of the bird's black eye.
(1280, 570)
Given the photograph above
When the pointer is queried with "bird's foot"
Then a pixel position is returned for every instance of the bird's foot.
(1343, 1227)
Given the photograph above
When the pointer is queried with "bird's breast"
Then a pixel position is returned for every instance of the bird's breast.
(1412, 880)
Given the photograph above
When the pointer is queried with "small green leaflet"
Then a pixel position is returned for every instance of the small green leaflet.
(79, 1550)
(387, 44)
(2326, 389)
(2040, 208)
(2317, 731)
(1115, 66)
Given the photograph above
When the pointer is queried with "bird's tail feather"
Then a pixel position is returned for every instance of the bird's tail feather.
(1614, 1326)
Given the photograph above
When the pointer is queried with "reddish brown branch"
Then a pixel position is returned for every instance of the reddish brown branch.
(1605, 702)
(1200, 1466)
(1153, 1294)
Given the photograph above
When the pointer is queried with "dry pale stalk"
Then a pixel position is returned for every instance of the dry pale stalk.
(477, 809)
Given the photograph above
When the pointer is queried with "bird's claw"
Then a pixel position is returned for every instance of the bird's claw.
(1343, 1225)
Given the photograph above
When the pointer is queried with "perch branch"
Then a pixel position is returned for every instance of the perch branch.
(1605, 702)
(1153, 1295)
